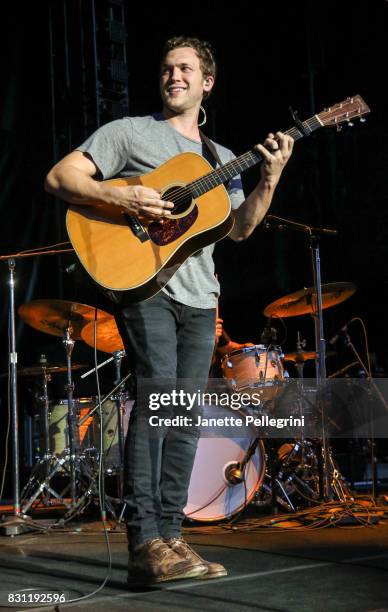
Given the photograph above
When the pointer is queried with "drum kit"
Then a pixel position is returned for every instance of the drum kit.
(76, 433)
(270, 473)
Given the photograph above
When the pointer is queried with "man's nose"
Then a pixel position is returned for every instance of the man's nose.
(175, 74)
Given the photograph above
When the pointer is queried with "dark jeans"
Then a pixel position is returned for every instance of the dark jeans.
(163, 339)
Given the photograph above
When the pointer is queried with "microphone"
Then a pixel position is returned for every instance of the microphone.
(234, 474)
(341, 332)
(70, 269)
(269, 334)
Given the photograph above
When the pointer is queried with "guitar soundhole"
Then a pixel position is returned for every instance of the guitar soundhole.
(180, 196)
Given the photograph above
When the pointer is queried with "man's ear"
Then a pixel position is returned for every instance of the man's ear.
(208, 84)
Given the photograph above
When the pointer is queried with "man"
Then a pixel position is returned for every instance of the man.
(171, 335)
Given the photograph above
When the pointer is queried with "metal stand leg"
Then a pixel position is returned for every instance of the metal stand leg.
(18, 523)
(68, 343)
(119, 400)
(321, 361)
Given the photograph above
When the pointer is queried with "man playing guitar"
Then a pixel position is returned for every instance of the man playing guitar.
(171, 334)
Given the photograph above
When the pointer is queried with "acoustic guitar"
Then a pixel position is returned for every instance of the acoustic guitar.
(124, 254)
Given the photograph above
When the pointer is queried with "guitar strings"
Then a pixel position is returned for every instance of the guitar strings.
(180, 196)
(214, 178)
(229, 169)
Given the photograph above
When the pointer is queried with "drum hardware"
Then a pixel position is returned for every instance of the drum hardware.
(292, 478)
(118, 355)
(90, 494)
(312, 301)
(54, 460)
(66, 319)
(344, 333)
(263, 497)
(19, 525)
(105, 336)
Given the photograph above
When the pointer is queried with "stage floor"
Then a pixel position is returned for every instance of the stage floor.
(332, 569)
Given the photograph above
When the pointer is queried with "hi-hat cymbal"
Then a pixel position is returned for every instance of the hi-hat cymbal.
(54, 316)
(305, 301)
(39, 370)
(108, 339)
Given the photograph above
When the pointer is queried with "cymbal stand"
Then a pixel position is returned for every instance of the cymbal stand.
(299, 364)
(44, 407)
(68, 343)
(119, 401)
(118, 385)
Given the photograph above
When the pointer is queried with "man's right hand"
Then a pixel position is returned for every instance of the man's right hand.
(73, 180)
(144, 202)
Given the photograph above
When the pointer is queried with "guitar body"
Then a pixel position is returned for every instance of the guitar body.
(118, 258)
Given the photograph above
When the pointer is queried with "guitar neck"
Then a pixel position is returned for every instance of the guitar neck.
(243, 162)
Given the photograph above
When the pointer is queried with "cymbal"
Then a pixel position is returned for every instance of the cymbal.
(304, 301)
(39, 370)
(108, 339)
(300, 356)
(53, 316)
(305, 355)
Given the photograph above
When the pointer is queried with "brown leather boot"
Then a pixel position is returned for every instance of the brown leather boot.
(154, 561)
(181, 547)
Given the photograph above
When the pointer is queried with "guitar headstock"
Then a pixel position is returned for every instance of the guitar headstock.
(344, 112)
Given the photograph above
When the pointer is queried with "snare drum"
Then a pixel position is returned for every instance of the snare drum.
(254, 368)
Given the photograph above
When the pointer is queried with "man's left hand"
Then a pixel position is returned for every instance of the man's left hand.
(276, 152)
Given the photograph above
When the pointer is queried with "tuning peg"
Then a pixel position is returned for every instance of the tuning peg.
(362, 120)
(350, 123)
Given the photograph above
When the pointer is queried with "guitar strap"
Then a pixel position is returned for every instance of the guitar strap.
(213, 152)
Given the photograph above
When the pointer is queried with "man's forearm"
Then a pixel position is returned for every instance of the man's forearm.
(252, 211)
(72, 185)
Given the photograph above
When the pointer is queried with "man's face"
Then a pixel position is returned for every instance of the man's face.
(182, 83)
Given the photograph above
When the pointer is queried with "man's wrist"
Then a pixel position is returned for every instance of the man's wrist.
(267, 184)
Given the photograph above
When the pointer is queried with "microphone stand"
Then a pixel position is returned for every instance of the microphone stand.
(279, 223)
(372, 443)
(18, 524)
(320, 367)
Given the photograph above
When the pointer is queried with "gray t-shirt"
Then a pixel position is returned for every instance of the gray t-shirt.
(136, 145)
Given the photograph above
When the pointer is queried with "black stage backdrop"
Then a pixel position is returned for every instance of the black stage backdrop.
(304, 55)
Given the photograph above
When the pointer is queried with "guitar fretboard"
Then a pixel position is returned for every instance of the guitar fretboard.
(243, 162)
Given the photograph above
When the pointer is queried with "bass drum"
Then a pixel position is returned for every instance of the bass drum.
(211, 497)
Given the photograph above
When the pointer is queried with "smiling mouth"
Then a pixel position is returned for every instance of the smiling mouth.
(173, 90)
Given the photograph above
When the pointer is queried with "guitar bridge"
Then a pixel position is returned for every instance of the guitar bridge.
(137, 228)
